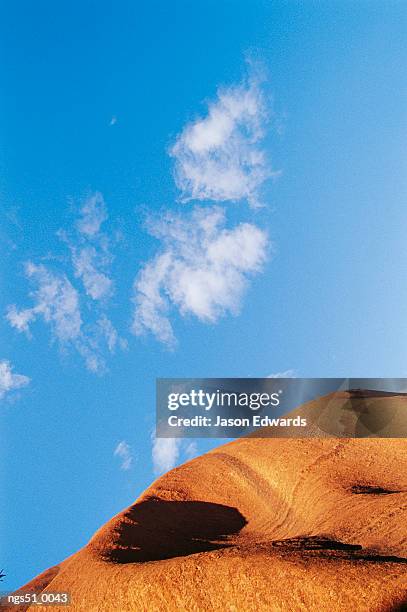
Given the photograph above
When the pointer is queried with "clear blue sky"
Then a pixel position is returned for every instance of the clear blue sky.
(94, 97)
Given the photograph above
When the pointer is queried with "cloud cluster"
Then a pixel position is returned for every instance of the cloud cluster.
(10, 381)
(219, 157)
(61, 305)
(55, 300)
(123, 451)
(202, 266)
(202, 269)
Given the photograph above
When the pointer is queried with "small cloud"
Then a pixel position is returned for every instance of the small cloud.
(110, 335)
(91, 258)
(191, 450)
(219, 157)
(93, 214)
(123, 451)
(87, 262)
(10, 381)
(165, 454)
(202, 269)
(113, 120)
(20, 319)
(285, 374)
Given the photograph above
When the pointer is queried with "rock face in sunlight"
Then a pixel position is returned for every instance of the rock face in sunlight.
(257, 524)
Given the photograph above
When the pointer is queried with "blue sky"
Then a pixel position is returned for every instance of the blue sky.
(187, 189)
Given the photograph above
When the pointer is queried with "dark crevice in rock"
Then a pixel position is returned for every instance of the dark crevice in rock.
(367, 489)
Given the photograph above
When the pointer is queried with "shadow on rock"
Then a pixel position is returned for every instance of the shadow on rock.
(155, 529)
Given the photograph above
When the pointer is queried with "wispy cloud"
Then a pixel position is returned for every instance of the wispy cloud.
(91, 256)
(92, 214)
(109, 332)
(87, 262)
(57, 303)
(202, 269)
(285, 374)
(10, 381)
(123, 451)
(219, 157)
(191, 450)
(77, 319)
(169, 452)
(165, 454)
(55, 300)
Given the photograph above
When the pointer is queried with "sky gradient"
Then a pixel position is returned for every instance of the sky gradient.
(207, 189)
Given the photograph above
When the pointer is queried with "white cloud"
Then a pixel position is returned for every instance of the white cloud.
(285, 374)
(91, 258)
(20, 319)
(202, 269)
(90, 352)
(219, 157)
(76, 319)
(110, 334)
(93, 214)
(123, 450)
(10, 381)
(55, 300)
(57, 303)
(165, 454)
(191, 450)
(87, 262)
